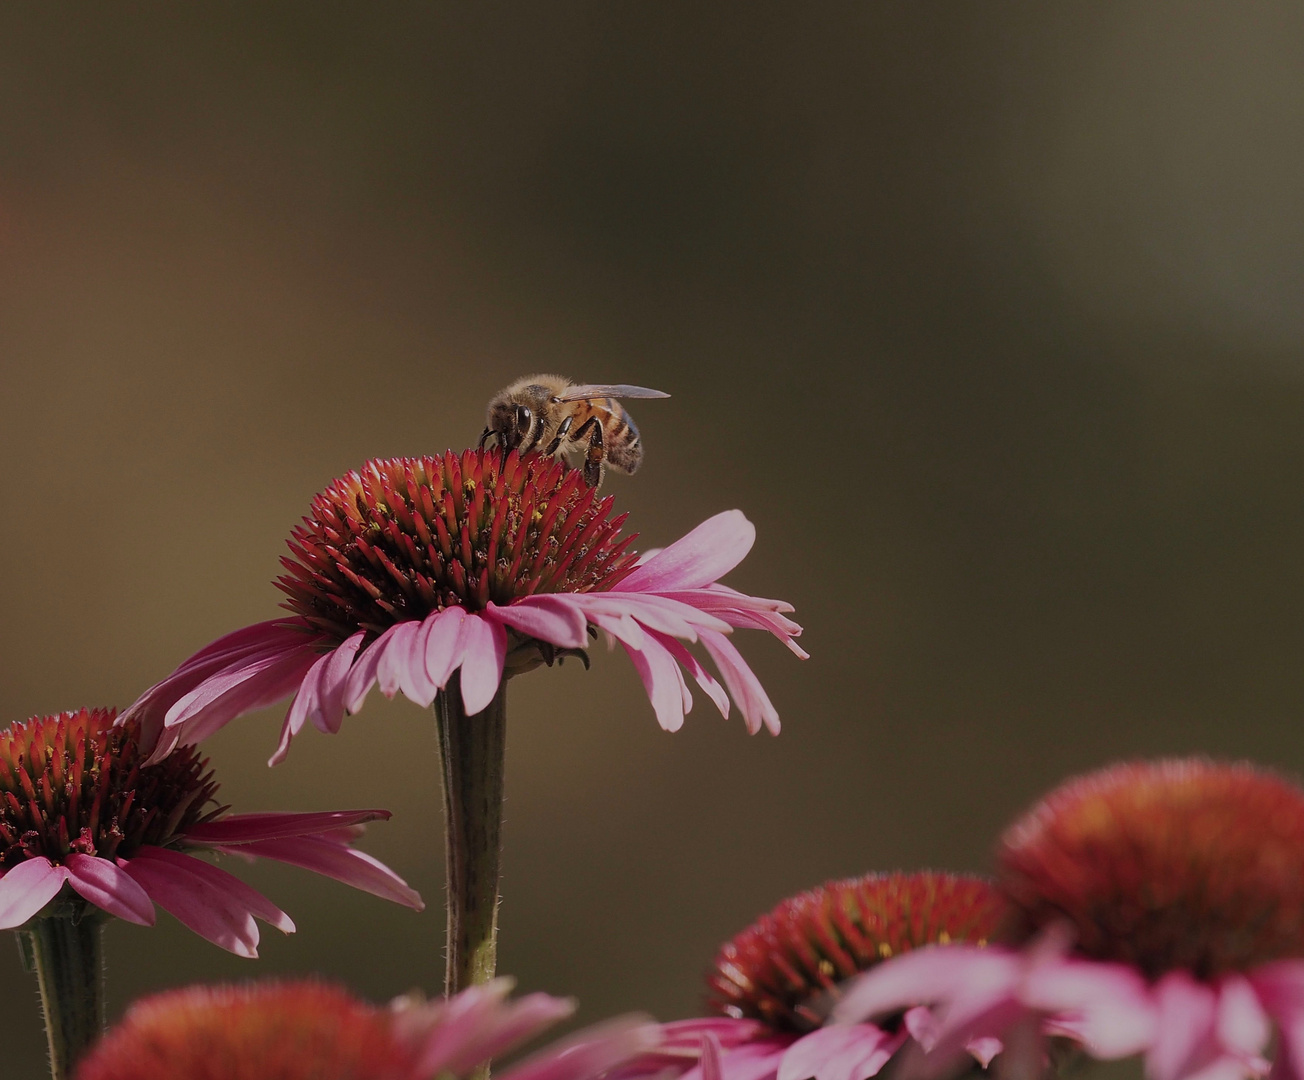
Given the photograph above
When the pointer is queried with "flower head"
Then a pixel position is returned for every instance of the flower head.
(1157, 907)
(775, 984)
(308, 1030)
(80, 807)
(1172, 865)
(417, 574)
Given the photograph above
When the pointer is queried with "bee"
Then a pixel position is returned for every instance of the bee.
(551, 414)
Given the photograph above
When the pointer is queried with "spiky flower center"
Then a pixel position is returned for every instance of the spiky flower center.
(407, 537)
(294, 1031)
(785, 968)
(75, 783)
(1186, 864)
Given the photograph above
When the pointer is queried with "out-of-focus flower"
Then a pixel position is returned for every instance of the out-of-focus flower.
(773, 986)
(79, 807)
(310, 1031)
(1157, 908)
(415, 570)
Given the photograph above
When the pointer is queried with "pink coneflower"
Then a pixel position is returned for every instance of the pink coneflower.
(415, 570)
(87, 829)
(1158, 908)
(311, 1031)
(439, 577)
(774, 985)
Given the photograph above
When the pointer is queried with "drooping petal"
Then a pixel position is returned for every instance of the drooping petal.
(328, 714)
(1109, 1008)
(588, 1053)
(1184, 1041)
(711, 1069)
(839, 1052)
(1242, 1025)
(744, 687)
(549, 617)
(243, 828)
(105, 885)
(304, 702)
(443, 645)
(484, 651)
(927, 975)
(661, 680)
(704, 678)
(216, 906)
(363, 674)
(333, 859)
(392, 667)
(698, 559)
(1280, 989)
(27, 888)
(755, 1061)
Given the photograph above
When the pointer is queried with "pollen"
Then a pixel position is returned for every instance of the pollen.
(786, 968)
(1172, 865)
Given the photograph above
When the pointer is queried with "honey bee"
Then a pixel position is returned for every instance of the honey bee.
(552, 414)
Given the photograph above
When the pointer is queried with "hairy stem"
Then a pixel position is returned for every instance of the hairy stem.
(68, 960)
(471, 749)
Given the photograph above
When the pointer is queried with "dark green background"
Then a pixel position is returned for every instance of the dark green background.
(988, 315)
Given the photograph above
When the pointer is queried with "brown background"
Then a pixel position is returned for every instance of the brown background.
(988, 315)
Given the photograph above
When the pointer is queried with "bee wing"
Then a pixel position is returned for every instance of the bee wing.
(619, 390)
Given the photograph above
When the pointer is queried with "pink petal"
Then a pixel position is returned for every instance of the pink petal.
(416, 684)
(479, 1024)
(661, 680)
(333, 859)
(216, 906)
(27, 888)
(622, 628)
(1107, 1007)
(304, 702)
(242, 828)
(588, 1053)
(362, 676)
(923, 976)
(711, 1058)
(753, 1061)
(983, 1050)
(698, 559)
(652, 610)
(1280, 989)
(549, 617)
(443, 645)
(329, 712)
(838, 1052)
(484, 651)
(1243, 1027)
(704, 679)
(744, 687)
(1184, 1036)
(392, 668)
(108, 888)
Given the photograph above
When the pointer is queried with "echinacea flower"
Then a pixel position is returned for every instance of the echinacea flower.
(1157, 909)
(312, 1031)
(439, 577)
(414, 570)
(79, 808)
(88, 829)
(773, 986)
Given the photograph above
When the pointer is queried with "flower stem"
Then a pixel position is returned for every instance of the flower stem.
(65, 953)
(471, 749)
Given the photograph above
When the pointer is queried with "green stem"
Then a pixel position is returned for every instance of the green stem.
(471, 749)
(66, 955)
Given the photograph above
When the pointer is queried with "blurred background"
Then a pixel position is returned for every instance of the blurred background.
(987, 315)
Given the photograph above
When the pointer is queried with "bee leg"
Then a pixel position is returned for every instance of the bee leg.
(593, 459)
(561, 434)
(484, 437)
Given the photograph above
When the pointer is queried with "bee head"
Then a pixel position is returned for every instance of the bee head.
(516, 417)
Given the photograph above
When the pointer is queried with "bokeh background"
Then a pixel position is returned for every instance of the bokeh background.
(988, 315)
